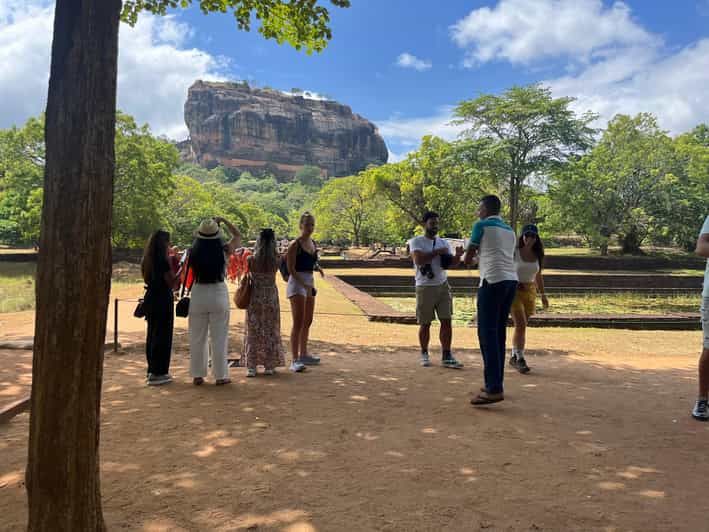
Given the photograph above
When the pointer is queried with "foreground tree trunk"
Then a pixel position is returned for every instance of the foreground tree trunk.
(74, 269)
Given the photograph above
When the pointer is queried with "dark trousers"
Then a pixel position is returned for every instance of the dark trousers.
(158, 344)
(494, 303)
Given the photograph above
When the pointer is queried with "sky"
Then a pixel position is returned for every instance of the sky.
(403, 64)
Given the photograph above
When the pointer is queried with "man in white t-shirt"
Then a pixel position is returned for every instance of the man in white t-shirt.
(432, 256)
(701, 408)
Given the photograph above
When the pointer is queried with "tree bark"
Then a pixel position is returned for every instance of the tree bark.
(74, 269)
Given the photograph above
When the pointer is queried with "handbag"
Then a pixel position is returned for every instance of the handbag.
(182, 309)
(242, 297)
(143, 307)
(446, 259)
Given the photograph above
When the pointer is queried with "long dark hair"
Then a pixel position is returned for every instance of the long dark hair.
(207, 260)
(538, 248)
(265, 253)
(155, 250)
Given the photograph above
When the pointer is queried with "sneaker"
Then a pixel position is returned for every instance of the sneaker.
(251, 372)
(159, 380)
(450, 362)
(297, 367)
(701, 410)
(309, 360)
(513, 361)
(425, 359)
(269, 372)
(522, 366)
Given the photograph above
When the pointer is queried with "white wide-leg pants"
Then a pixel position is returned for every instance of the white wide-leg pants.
(209, 319)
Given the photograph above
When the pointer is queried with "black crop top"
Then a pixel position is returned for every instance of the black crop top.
(304, 261)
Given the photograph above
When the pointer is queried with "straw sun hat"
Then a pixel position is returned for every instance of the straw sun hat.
(208, 230)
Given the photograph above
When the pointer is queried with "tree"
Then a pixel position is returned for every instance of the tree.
(309, 176)
(74, 263)
(344, 209)
(22, 157)
(439, 177)
(528, 133)
(143, 182)
(621, 187)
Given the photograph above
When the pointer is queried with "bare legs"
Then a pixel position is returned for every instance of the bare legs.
(302, 308)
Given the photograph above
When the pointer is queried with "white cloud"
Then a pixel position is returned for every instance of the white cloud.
(155, 66)
(522, 31)
(407, 132)
(407, 60)
(613, 65)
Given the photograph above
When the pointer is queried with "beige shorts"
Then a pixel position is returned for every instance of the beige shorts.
(432, 301)
(705, 321)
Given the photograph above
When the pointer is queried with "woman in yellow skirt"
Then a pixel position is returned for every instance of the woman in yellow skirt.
(529, 258)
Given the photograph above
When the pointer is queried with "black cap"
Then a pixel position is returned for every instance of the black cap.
(530, 228)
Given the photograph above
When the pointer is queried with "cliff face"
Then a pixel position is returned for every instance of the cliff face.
(266, 130)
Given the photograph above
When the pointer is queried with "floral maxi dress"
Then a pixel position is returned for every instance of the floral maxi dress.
(262, 335)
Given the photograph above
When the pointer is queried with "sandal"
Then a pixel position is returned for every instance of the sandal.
(221, 382)
(197, 381)
(484, 398)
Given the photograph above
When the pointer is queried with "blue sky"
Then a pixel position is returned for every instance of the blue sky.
(401, 63)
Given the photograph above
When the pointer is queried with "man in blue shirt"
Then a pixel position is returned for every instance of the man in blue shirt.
(493, 242)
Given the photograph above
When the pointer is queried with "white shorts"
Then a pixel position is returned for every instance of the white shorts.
(296, 289)
(705, 321)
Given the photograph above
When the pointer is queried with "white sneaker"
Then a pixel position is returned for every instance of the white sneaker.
(251, 372)
(269, 372)
(425, 359)
(297, 367)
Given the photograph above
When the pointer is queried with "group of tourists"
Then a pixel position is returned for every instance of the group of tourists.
(511, 278)
(203, 273)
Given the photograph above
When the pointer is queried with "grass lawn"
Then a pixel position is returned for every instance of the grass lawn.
(17, 283)
(631, 303)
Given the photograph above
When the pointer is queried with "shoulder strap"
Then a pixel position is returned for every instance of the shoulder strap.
(187, 275)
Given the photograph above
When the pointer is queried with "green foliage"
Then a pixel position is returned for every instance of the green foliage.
(523, 133)
(347, 209)
(309, 176)
(300, 23)
(143, 182)
(21, 174)
(189, 204)
(439, 177)
(623, 186)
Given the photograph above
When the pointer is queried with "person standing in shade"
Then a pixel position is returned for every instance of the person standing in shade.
(209, 304)
(432, 256)
(529, 258)
(262, 336)
(494, 243)
(701, 407)
(302, 262)
(159, 279)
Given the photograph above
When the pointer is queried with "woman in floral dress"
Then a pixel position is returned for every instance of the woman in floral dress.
(262, 342)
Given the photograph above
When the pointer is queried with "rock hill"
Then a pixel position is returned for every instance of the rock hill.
(264, 130)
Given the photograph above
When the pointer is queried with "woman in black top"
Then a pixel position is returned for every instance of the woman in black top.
(302, 261)
(159, 279)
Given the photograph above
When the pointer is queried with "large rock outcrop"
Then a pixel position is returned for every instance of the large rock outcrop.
(264, 130)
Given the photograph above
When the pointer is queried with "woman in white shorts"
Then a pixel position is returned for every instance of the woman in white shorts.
(302, 261)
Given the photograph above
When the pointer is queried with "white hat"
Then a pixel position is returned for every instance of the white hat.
(208, 230)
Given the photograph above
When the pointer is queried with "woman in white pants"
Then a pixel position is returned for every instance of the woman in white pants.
(209, 304)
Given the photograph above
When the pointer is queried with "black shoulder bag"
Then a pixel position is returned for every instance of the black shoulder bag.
(182, 309)
(446, 260)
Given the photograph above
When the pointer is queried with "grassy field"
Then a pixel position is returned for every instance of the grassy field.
(17, 283)
(631, 303)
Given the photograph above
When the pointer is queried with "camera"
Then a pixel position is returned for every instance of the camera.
(427, 271)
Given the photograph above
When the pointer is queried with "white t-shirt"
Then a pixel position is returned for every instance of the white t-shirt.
(426, 245)
(704, 231)
(526, 271)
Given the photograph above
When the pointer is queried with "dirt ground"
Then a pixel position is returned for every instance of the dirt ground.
(597, 437)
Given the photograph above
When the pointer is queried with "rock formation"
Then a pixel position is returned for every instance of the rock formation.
(264, 130)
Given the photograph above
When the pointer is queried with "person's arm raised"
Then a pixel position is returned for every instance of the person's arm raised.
(235, 241)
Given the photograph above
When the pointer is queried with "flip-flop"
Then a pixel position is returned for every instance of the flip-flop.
(486, 399)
